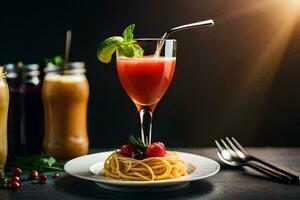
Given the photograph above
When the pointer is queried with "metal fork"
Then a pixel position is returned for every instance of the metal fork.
(243, 154)
(230, 157)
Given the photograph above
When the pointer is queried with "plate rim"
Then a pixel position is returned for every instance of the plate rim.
(179, 180)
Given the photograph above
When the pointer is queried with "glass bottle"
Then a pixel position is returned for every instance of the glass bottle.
(29, 140)
(14, 116)
(4, 101)
(65, 97)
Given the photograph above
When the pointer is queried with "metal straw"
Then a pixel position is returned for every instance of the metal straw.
(68, 45)
(200, 24)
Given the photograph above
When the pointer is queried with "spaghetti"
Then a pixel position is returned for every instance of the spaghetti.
(149, 169)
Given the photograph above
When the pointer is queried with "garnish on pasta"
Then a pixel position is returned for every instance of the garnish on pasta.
(136, 161)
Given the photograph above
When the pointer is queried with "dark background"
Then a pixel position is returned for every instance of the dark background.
(239, 78)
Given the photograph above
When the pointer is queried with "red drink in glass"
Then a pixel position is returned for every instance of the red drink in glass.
(146, 79)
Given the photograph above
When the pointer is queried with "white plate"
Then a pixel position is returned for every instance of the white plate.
(90, 167)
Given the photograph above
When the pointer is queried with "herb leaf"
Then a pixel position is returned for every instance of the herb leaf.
(58, 60)
(126, 46)
(137, 50)
(48, 161)
(131, 50)
(128, 33)
(51, 161)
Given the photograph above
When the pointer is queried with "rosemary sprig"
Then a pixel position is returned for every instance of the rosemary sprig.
(137, 142)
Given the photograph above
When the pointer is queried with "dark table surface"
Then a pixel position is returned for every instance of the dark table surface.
(229, 183)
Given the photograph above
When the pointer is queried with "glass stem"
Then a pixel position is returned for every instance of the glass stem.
(146, 125)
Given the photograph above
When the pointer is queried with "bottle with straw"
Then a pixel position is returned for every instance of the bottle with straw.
(65, 95)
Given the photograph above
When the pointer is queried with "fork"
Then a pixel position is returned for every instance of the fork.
(240, 150)
(228, 156)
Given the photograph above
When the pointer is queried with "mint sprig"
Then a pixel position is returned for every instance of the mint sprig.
(126, 46)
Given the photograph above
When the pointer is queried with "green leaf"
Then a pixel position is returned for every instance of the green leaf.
(58, 60)
(125, 50)
(108, 47)
(128, 33)
(47, 161)
(51, 161)
(131, 50)
(137, 50)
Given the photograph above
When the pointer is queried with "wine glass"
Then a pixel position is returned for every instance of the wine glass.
(146, 79)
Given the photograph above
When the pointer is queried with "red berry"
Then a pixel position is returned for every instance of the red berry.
(33, 174)
(14, 185)
(15, 179)
(17, 172)
(161, 144)
(127, 150)
(55, 175)
(156, 149)
(43, 178)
